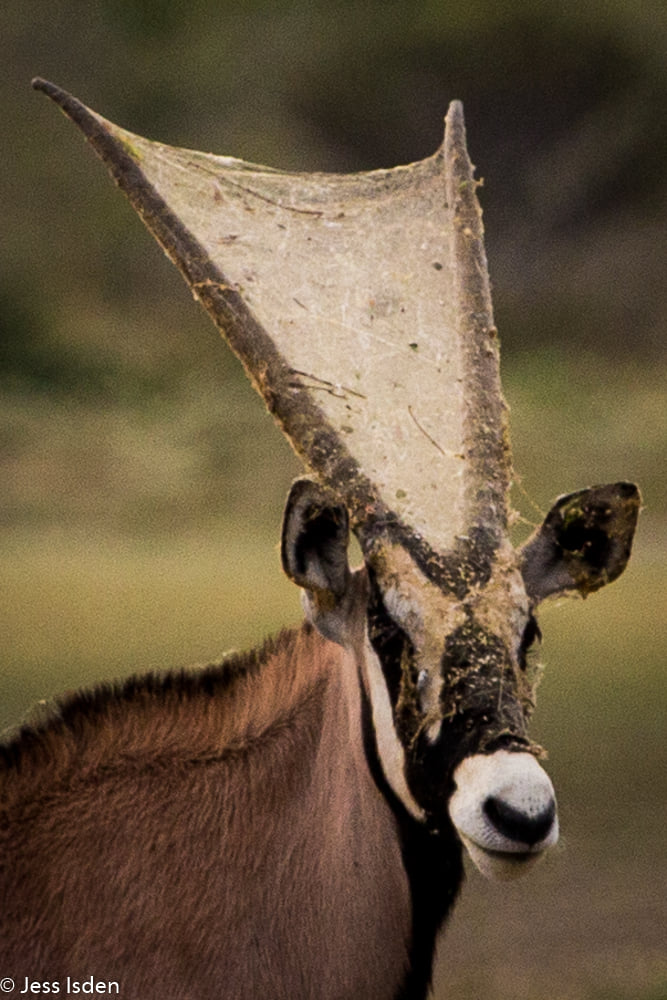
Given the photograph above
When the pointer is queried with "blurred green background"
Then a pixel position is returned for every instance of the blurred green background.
(142, 484)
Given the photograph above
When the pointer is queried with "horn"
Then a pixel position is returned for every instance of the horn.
(360, 307)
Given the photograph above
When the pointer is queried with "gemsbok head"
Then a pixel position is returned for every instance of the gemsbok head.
(290, 823)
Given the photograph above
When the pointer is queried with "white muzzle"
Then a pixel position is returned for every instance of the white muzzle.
(504, 810)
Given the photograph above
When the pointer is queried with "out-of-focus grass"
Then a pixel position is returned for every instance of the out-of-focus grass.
(604, 690)
(584, 419)
(80, 609)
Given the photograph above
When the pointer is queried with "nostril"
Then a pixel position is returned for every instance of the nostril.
(522, 827)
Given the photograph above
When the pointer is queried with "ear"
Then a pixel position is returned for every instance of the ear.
(314, 554)
(584, 543)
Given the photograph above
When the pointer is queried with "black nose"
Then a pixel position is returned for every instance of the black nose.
(522, 827)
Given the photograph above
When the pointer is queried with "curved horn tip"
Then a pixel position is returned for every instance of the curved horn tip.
(39, 83)
(61, 97)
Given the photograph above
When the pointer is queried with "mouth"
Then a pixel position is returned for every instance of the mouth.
(501, 866)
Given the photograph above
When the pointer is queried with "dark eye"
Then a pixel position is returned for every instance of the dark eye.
(531, 634)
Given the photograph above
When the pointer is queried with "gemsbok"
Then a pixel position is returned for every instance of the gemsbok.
(290, 823)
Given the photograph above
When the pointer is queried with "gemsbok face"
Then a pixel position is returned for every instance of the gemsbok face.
(290, 823)
(444, 662)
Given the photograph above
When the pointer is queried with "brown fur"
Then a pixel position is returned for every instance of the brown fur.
(172, 834)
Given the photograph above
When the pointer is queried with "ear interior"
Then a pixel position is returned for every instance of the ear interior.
(315, 539)
(584, 542)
